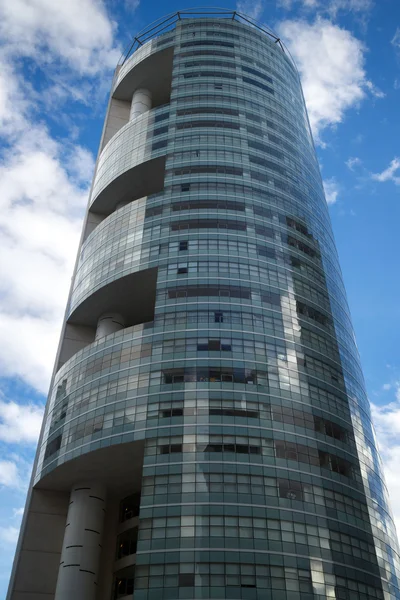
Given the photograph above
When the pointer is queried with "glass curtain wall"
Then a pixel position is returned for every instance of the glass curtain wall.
(261, 479)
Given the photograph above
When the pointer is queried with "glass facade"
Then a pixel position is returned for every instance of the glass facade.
(260, 479)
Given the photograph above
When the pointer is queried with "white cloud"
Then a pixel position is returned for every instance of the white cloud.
(332, 7)
(20, 423)
(353, 162)
(44, 182)
(374, 91)
(386, 419)
(9, 534)
(356, 6)
(78, 32)
(250, 8)
(9, 474)
(396, 39)
(331, 64)
(42, 197)
(132, 5)
(13, 101)
(307, 4)
(331, 190)
(80, 165)
(16, 470)
(389, 174)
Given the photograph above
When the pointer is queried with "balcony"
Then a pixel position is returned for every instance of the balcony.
(123, 584)
(132, 164)
(149, 67)
(107, 257)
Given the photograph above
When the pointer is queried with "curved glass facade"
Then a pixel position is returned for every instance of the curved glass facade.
(260, 475)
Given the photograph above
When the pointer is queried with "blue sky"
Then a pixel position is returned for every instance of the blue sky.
(56, 63)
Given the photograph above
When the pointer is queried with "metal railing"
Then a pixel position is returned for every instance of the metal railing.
(167, 23)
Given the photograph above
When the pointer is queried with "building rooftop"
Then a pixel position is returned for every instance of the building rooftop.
(168, 23)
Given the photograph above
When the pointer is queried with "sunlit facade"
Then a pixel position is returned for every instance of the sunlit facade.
(207, 433)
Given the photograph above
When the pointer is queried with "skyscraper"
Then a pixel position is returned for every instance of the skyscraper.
(207, 433)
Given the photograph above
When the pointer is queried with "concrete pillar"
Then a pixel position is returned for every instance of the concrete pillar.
(109, 323)
(141, 103)
(79, 568)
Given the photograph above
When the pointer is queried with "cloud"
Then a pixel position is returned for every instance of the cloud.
(16, 469)
(332, 7)
(395, 41)
(251, 8)
(331, 190)
(389, 174)
(44, 182)
(132, 5)
(13, 100)
(77, 32)
(20, 423)
(386, 420)
(374, 91)
(43, 192)
(355, 6)
(353, 162)
(289, 4)
(331, 64)
(9, 474)
(9, 534)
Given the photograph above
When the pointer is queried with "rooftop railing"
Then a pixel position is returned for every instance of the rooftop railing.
(168, 23)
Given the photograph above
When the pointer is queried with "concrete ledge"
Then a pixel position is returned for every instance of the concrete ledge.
(118, 467)
(128, 524)
(153, 72)
(126, 561)
(140, 180)
(133, 296)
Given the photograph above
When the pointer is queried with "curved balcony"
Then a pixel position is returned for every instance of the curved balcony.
(105, 239)
(110, 271)
(125, 284)
(128, 524)
(114, 465)
(124, 583)
(126, 561)
(149, 67)
(132, 295)
(64, 440)
(94, 399)
(132, 161)
(126, 548)
(103, 262)
(67, 390)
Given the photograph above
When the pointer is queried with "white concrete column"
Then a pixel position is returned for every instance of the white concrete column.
(109, 323)
(79, 568)
(141, 103)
